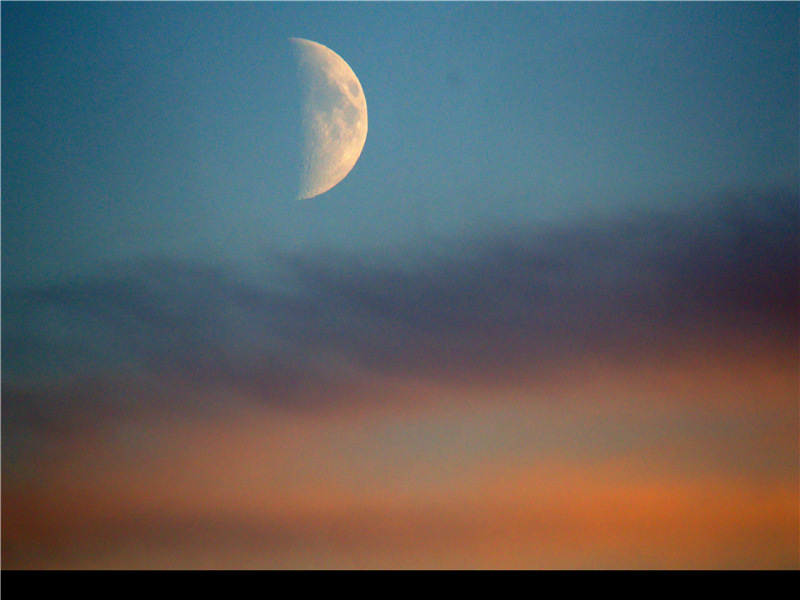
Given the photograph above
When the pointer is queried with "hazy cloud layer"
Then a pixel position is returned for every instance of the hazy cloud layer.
(157, 396)
(599, 285)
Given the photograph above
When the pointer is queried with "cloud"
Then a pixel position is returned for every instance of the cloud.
(362, 410)
(232, 509)
(608, 285)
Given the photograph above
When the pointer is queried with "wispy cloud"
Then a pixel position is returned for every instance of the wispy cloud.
(603, 285)
(563, 396)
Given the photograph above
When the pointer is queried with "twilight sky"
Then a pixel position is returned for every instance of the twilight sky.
(550, 318)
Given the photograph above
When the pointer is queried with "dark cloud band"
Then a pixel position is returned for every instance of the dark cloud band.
(591, 285)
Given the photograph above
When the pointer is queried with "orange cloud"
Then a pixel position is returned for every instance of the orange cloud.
(451, 484)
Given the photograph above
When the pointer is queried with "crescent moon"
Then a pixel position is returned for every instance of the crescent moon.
(334, 126)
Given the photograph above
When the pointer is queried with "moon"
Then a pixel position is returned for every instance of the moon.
(334, 121)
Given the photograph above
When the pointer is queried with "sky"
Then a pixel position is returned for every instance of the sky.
(548, 320)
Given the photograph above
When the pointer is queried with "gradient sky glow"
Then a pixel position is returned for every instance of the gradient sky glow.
(549, 319)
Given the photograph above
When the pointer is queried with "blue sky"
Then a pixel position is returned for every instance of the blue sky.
(171, 129)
